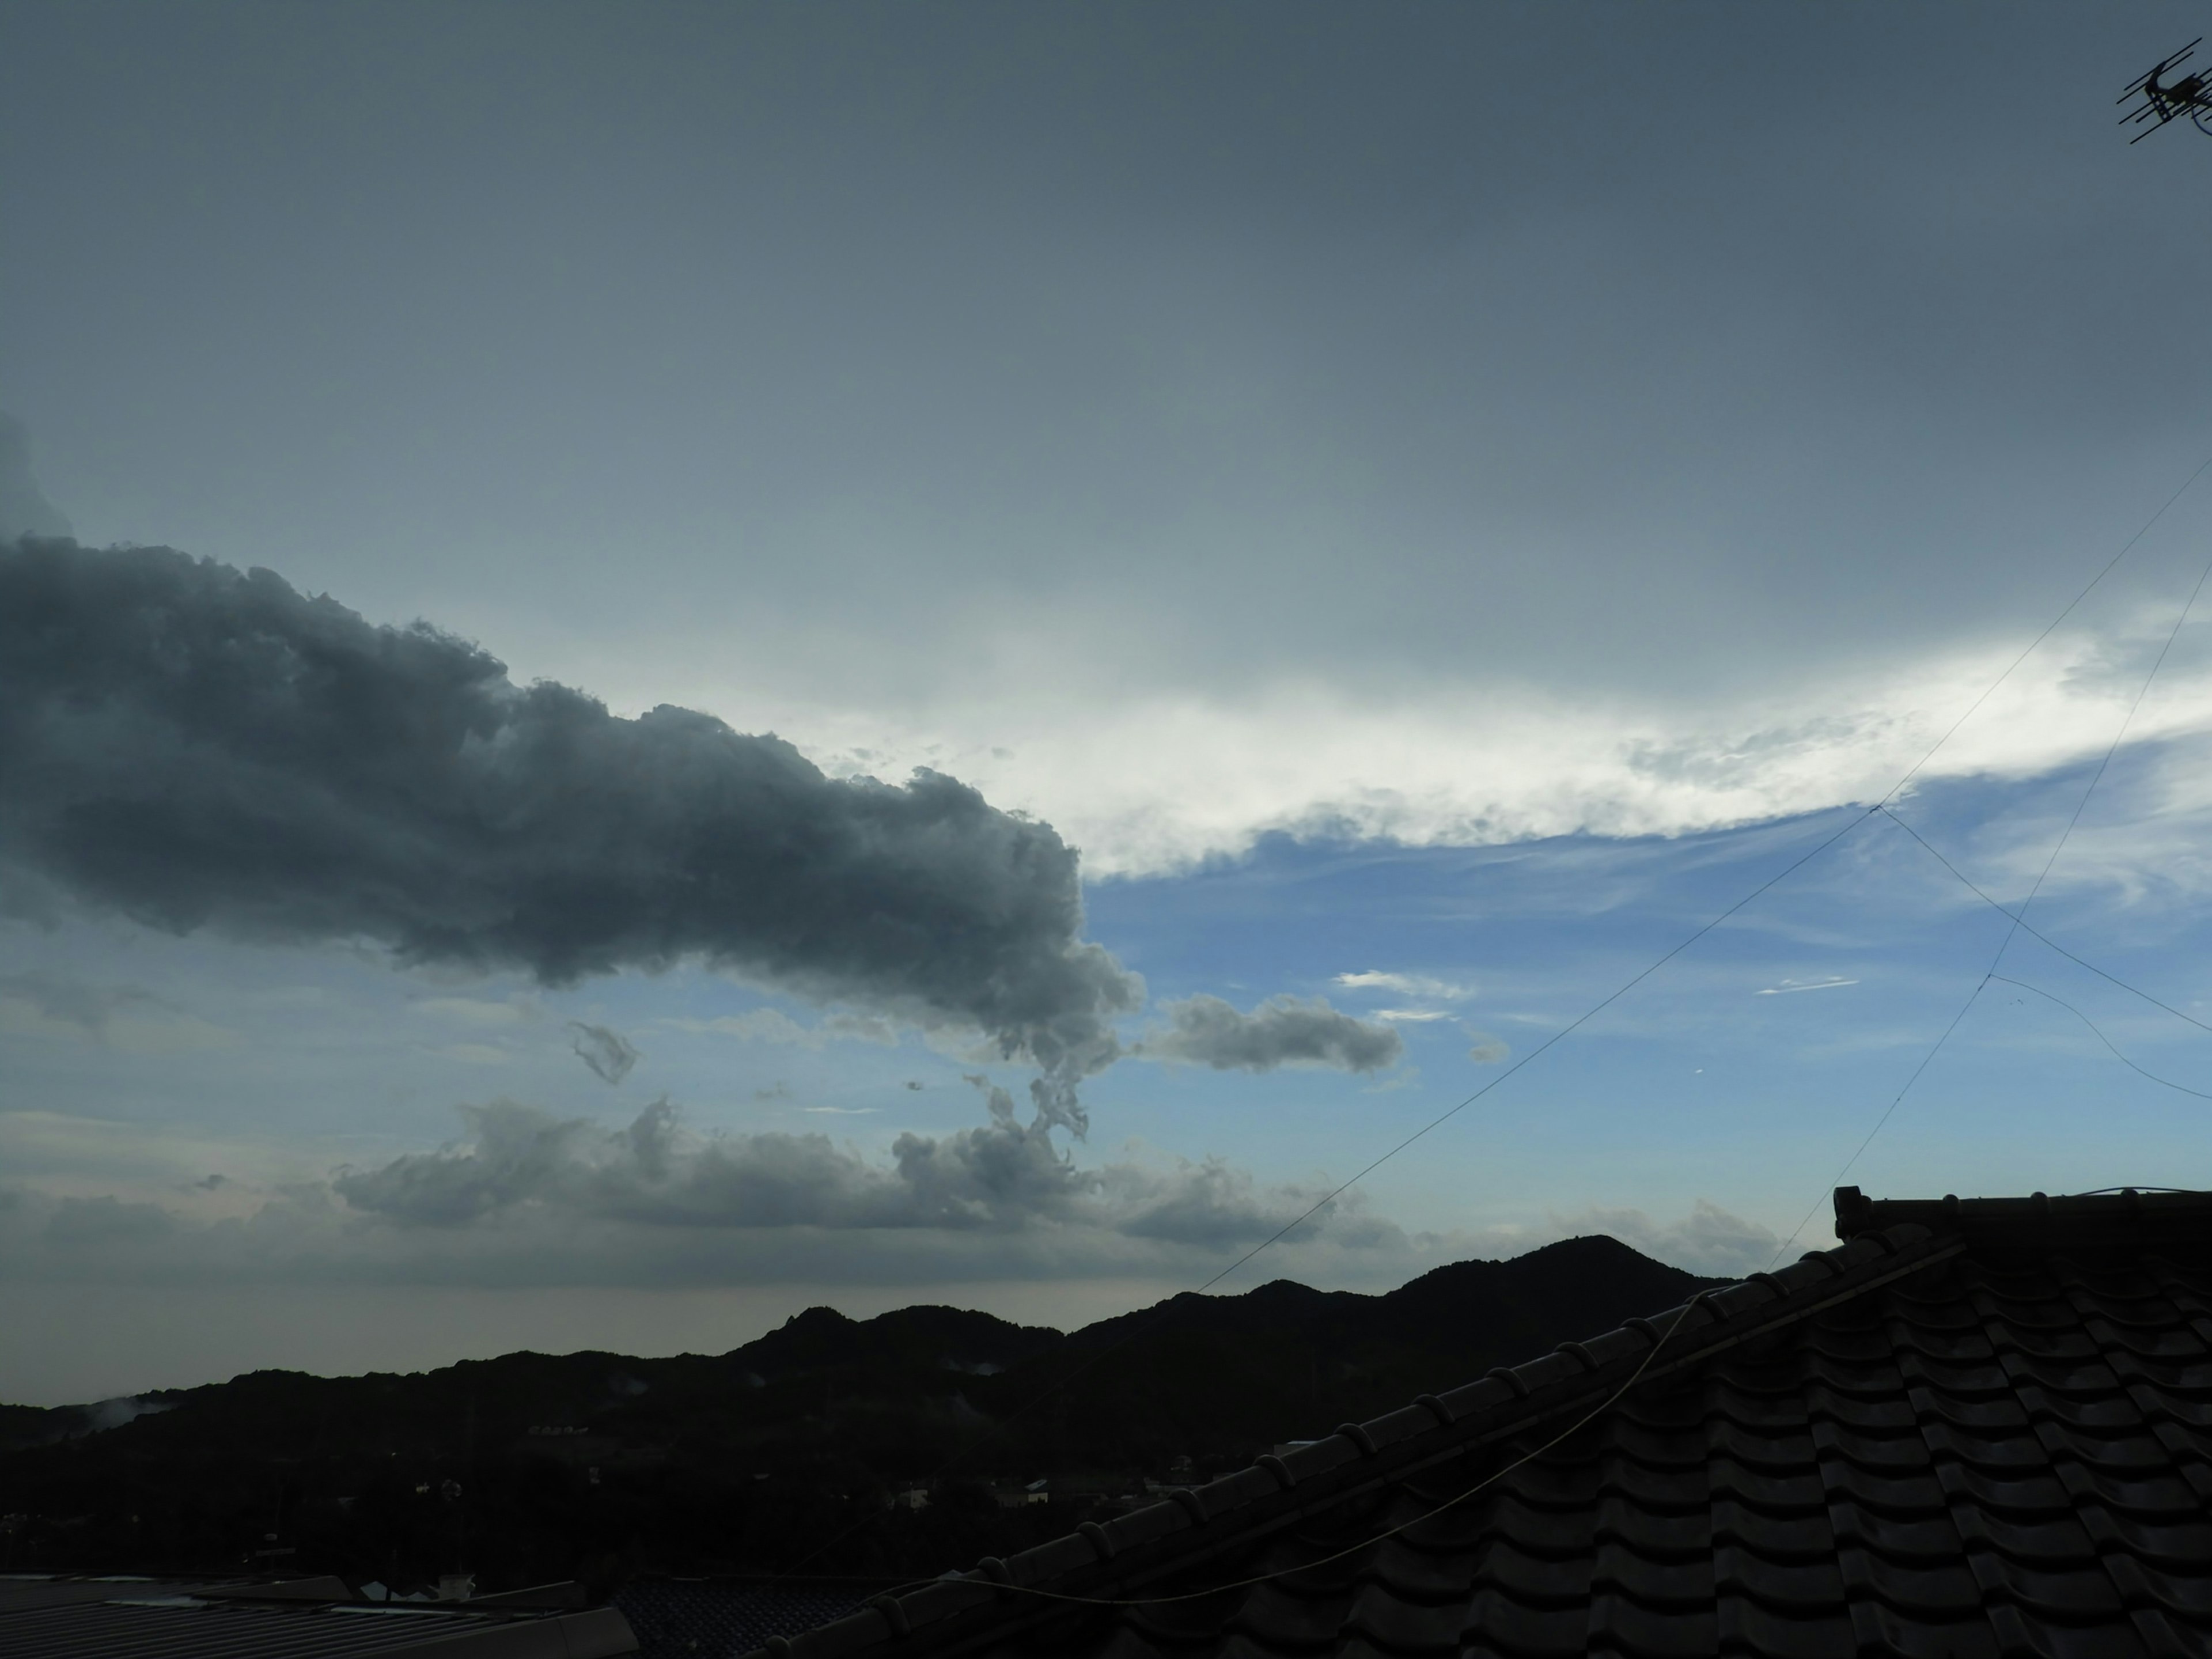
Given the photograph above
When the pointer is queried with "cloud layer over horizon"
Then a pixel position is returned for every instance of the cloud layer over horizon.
(524, 1197)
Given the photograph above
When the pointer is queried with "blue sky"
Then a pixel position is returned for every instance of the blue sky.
(1426, 548)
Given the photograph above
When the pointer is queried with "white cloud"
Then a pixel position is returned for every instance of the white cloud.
(1411, 985)
(1788, 986)
(1148, 785)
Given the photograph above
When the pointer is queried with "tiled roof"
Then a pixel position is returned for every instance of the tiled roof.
(725, 1618)
(1972, 1428)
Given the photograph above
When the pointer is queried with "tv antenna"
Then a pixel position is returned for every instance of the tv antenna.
(2164, 100)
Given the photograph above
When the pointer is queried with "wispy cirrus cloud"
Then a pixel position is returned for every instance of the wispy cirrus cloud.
(1410, 985)
(123, 1017)
(772, 1025)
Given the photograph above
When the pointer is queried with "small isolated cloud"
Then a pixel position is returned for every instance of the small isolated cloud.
(842, 1111)
(1406, 985)
(1412, 1016)
(1488, 1050)
(1789, 985)
(611, 1055)
(1284, 1030)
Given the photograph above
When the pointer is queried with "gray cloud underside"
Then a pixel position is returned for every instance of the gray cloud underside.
(1284, 1030)
(1003, 1176)
(196, 747)
(529, 1198)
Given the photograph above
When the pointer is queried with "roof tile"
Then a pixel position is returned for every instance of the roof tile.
(1948, 1441)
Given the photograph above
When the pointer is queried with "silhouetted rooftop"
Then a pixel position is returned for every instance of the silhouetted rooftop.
(1979, 1426)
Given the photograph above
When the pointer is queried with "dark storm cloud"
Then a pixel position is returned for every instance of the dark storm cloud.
(1205, 1030)
(609, 1053)
(196, 747)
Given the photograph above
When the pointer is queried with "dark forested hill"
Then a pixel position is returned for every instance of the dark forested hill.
(531, 1466)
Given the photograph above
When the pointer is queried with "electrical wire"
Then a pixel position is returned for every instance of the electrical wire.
(1888, 1112)
(1331, 1196)
(2111, 564)
(2169, 1083)
(2028, 927)
(1888, 796)
(2018, 920)
(1487, 1481)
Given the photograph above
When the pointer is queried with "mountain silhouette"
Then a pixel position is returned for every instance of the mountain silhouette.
(532, 1467)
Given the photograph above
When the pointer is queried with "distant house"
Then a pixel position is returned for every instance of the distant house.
(1978, 1427)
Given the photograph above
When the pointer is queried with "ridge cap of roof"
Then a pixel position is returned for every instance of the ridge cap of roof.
(1149, 1543)
(2123, 1217)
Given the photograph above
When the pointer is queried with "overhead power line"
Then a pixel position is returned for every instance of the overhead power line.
(2019, 920)
(2028, 927)
(2167, 1081)
(1589, 1014)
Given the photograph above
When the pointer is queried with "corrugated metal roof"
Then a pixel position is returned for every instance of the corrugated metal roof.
(20, 1592)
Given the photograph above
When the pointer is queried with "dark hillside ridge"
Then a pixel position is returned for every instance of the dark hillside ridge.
(532, 1467)
(1224, 1376)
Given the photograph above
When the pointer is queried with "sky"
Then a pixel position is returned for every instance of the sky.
(677, 663)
